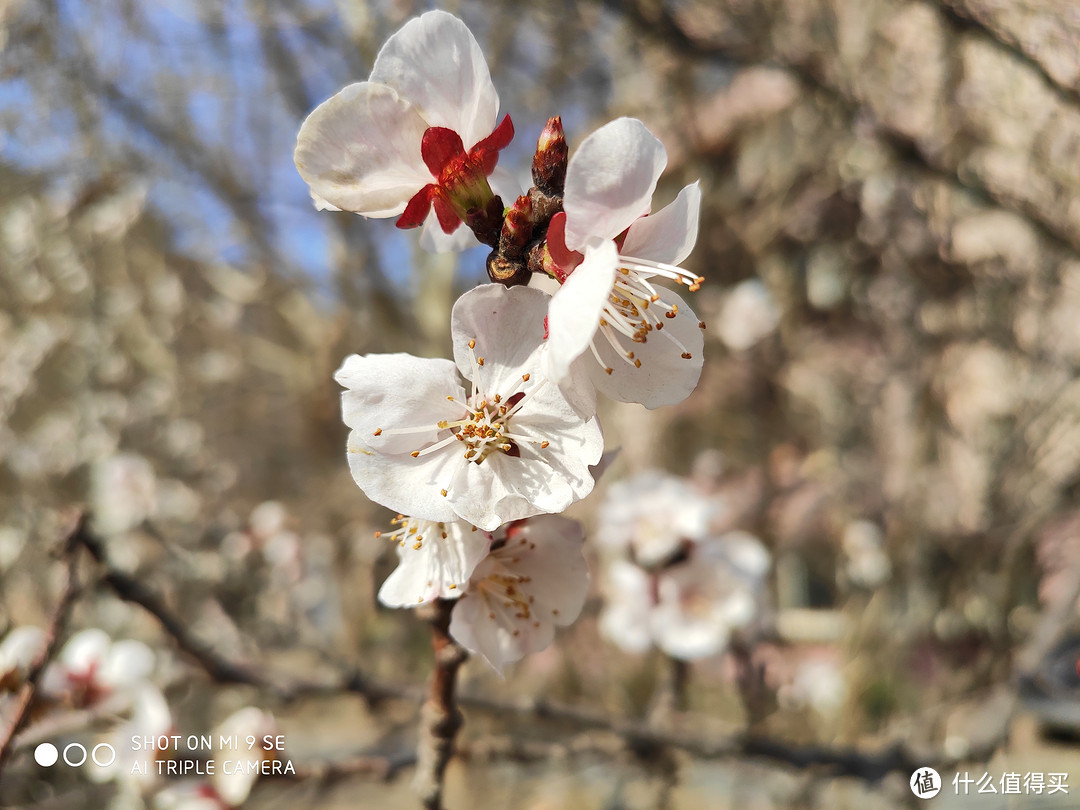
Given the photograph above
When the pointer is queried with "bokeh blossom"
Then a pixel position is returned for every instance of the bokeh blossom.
(688, 609)
(91, 666)
(653, 516)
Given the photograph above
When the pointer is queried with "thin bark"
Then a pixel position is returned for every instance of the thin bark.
(440, 719)
(53, 634)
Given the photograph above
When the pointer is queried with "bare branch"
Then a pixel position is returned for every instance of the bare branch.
(441, 718)
(53, 634)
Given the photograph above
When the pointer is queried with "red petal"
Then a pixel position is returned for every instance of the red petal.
(417, 210)
(440, 146)
(447, 218)
(565, 258)
(486, 152)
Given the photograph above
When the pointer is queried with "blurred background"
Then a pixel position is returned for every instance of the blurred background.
(891, 242)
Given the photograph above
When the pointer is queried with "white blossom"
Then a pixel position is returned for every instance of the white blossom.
(418, 135)
(534, 579)
(91, 666)
(609, 323)
(508, 448)
(747, 316)
(688, 609)
(17, 653)
(435, 560)
(150, 718)
(123, 492)
(866, 564)
(653, 515)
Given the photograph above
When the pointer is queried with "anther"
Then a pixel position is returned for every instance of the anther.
(479, 361)
(609, 370)
(444, 495)
(414, 453)
(637, 363)
(686, 355)
(472, 344)
(525, 377)
(701, 324)
(670, 314)
(544, 444)
(377, 432)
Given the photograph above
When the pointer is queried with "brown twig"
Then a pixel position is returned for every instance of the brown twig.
(136, 592)
(217, 666)
(25, 697)
(440, 719)
(442, 713)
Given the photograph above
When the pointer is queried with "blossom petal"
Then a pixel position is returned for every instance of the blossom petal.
(669, 235)
(478, 624)
(360, 150)
(439, 569)
(412, 486)
(507, 323)
(542, 558)
(387, 391)
(664, 378)
(549, 551)
(503, 489)
(625, 618)
(321, 204)
(127, 663)
(574, 311)
(689, 621)
(436, 63)
(610, 181)
(434, 240)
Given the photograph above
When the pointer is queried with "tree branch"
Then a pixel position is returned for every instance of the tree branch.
(25, 697)
(440, 719)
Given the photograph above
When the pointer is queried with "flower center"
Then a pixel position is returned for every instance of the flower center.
(412, 532)
(634, 309)
(485, 426)
(461, 192)
(502, 590)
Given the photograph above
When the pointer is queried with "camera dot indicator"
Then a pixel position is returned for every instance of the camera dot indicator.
(46, 755)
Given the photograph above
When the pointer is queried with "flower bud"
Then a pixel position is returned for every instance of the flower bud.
(517, 228)
(549, 163)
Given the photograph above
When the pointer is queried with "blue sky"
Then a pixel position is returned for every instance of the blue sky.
(234, 110)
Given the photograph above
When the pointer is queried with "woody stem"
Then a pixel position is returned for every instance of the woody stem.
(440, 719)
